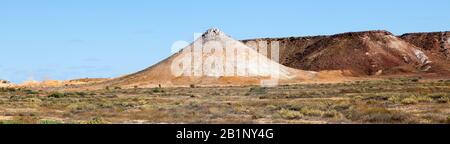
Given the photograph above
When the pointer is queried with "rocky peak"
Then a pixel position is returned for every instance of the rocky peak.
(4, 82)
(212, 34)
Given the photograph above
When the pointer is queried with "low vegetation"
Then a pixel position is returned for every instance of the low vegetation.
(403, 100)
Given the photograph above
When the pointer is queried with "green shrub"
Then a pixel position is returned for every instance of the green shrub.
(271, 108)
(437, 96)
(56, 95)
(395, 99)
(81, 107)
(11, 122)
(373, 102)
(288, 114)
(82, 94)
(95, 120)
(258, 90)
(311, 112)
(383, 117)
(378, 115)
(358, 97)
(49, 121)
(3, 89)
(128, 104)
(158, 90)
(30, 92)
(377, 97)
(332, 114)
(443, 100)
(16, 98)
(424, 99)
(33, 100)
(410, 100)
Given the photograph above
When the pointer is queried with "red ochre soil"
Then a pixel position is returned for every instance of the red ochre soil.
(359, 53)
(436, 46)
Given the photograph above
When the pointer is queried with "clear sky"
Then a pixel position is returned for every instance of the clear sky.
(67, 39)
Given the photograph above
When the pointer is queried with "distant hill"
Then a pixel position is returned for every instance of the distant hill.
(362, 53)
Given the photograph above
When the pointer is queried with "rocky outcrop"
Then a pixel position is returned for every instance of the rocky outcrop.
(444, 45)
(436, 47)
(5, 83)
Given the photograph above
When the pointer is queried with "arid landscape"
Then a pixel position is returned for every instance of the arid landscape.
(355, 77)
(392, 100)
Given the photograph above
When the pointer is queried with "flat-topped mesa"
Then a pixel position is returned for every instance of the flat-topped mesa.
(347, 34)
(363, 53)
(363, 33)
(426, 33)
(438, 42)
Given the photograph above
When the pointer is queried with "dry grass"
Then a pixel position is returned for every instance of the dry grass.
(385, 101)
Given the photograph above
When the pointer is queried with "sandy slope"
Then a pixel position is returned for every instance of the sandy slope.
(216, 59)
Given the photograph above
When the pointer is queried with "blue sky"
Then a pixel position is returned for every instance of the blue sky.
(67, 39)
